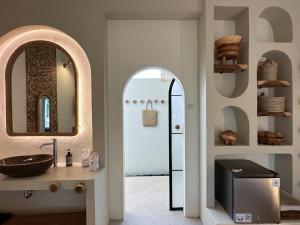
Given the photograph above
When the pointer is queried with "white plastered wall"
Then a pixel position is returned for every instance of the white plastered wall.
(146, 149)
(133, 45)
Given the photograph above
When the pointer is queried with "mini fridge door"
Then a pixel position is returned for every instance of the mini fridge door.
(256, 200)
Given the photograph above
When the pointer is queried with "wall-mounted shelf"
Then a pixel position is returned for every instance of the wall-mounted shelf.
(282, 114)
(272, 83)
(230, 68)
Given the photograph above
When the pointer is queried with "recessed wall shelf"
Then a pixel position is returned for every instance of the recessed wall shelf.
(232, 21)
(282, 114)
(235, 119)
(272, 83)
(275, 25)
(230, 68)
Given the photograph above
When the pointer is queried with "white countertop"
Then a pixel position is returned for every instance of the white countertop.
(67, 176)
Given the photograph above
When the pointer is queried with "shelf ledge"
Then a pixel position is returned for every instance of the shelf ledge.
(230, 68)
(272, 83)
(282, 114)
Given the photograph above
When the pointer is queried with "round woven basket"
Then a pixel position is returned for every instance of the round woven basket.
(271, 104)
(267, 70)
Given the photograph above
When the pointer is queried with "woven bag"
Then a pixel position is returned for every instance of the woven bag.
(149, 116)
(267, 70)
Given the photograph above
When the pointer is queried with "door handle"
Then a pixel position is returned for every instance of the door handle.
(177, 126)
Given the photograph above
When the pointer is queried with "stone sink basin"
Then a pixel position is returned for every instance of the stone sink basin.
(26, 166)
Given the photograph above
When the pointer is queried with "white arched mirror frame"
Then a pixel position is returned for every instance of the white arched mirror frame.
(22, 144)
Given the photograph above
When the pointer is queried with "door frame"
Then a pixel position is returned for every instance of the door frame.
(170, 145)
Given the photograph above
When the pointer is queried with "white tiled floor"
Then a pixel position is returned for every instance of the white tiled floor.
(147, 203)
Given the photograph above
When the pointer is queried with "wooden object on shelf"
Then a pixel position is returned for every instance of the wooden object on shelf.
(270, 138)
(230, 68)
(228, 48)
(290, 215)
(234, 40)
(289, 206)
(229, 137)
(283, 114)
(272, 83)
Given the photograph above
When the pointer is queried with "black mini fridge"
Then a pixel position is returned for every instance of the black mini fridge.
(247, 191)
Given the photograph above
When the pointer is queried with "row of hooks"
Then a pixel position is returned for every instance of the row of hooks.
(134, 101)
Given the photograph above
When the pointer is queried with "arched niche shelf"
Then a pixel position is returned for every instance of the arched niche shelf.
(274, 25)
(284, 72)
(231, 85)
(235, 119)
(232, 21)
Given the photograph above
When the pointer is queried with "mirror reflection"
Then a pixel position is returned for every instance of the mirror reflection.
(41, 91)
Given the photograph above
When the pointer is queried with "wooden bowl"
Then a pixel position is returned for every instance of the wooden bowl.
(234, 40)
(229, 137)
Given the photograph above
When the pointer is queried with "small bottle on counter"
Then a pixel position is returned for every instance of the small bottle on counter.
(69, 158)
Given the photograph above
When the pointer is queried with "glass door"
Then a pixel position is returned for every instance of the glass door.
(176, 145)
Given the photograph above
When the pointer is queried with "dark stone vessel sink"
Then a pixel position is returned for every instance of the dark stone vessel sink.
(26, 166)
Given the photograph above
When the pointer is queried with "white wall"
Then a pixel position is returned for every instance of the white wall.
(133, 45)
(146, 148)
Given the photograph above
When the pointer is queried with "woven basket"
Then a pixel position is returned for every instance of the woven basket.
(271, 104)
(267, 70)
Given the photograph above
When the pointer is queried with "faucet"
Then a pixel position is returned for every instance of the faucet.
(54, 147)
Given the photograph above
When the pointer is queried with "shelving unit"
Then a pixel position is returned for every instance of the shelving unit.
(266, 27)
(278, 121)
(230, 21)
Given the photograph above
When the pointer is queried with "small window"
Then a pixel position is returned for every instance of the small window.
(44, 114)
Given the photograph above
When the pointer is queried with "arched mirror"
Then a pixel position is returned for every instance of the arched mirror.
(41, 84)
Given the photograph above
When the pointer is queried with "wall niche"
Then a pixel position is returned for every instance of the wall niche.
(232, 21)
(277, 123)
(235, 119)
(274, 25)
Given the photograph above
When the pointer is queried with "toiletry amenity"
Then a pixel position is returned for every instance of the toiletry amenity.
(94, 161)
(85, 157)
(69, 158)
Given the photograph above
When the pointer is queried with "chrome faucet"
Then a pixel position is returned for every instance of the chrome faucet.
(54, 147)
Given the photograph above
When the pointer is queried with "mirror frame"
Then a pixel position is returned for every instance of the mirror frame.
(8, 83)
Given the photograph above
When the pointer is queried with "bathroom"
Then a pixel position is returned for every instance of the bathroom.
(109, 41)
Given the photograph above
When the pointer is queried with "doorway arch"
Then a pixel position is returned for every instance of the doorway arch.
(157, 150)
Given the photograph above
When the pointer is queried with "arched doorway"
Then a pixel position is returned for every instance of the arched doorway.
(154, 151)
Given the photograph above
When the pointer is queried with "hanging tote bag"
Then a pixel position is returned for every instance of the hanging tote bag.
(149, 116)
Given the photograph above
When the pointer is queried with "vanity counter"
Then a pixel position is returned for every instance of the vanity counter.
(66, 176)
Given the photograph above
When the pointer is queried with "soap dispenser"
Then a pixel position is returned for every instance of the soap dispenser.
(69, 158)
